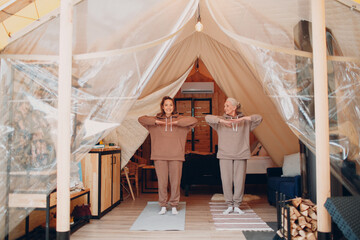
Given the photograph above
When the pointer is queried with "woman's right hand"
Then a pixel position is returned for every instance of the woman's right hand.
(158, 122)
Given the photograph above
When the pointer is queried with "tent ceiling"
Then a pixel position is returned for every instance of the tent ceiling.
(15, 16)
(12, 7)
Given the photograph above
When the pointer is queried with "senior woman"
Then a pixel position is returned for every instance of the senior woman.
(233, 129)
(168, 132)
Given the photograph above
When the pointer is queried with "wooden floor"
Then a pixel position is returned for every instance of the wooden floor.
(198, 225)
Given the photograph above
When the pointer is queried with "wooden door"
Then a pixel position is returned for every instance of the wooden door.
(106, 182)
(116, 178)
(202, 134)
(200, 138)
(183, 106)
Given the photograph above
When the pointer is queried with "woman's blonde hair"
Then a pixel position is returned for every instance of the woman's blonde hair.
(234, 102)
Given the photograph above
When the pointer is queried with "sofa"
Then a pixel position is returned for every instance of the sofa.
(285, 180)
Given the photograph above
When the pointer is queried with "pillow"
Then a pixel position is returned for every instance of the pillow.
(291, 166)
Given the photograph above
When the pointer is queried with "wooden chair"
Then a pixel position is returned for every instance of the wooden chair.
(140, 160)
(131, 173)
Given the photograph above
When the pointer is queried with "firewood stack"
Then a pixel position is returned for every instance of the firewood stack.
(303, 220)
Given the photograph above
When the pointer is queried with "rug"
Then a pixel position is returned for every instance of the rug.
(249, 221)
(150, 220)
(261, 235)
(219, 197)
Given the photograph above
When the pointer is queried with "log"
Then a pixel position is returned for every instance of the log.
(302, 233)
(299, 238)
(294, 232)
(296, 201)
(302, 221)
(308, 225)
(313, 225)
(312, 214)
(308, 202)
(298, 227)
(305, 213)
(310, 236)
(294, 213)
(303, 207)
(314, 208)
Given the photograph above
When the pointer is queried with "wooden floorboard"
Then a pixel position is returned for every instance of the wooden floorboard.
(198, 224)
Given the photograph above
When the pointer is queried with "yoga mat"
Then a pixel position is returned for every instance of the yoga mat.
(150, 220)
(249, 221)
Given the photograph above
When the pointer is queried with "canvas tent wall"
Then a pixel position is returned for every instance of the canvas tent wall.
(129, 54)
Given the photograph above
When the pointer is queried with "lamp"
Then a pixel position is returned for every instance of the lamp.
(198, 26)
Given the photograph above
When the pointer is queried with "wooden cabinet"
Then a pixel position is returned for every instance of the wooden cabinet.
(101, 173)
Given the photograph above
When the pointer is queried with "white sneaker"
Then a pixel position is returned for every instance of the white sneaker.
(228, 210)
(162, 211)
(238, 210)
(174, 211)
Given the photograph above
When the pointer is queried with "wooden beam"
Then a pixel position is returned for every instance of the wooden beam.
(63, 153)
(13, 8)
(321, 117)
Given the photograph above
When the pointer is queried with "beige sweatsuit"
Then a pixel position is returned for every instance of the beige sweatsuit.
(233, 152)
(168, 152)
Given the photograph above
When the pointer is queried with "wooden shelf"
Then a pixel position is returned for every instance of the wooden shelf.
(38, 200)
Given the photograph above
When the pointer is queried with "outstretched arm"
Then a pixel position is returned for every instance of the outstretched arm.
(158, 122)
(226, 122)
(255, 121)
(213, 121)
(189, 122)
(147, 121)
(237, 120)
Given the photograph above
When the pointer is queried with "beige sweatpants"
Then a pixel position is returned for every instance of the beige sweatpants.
(168, 170)
(233, 173)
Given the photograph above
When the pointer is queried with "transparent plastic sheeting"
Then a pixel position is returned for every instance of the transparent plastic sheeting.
(276, 40)
(29, 128)
(105, 85)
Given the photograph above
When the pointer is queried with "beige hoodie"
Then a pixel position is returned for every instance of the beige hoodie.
(233, 141)
(168, 141)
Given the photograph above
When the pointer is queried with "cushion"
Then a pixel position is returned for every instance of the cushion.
(291, 166)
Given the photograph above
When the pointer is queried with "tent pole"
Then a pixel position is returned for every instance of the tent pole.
(64, 135)
(321, 117)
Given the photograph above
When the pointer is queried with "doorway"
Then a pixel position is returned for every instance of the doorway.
(199, 138)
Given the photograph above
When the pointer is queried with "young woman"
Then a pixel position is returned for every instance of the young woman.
(233, 130)
(168, 133)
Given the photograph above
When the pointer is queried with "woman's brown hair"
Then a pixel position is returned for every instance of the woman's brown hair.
(162, 104)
